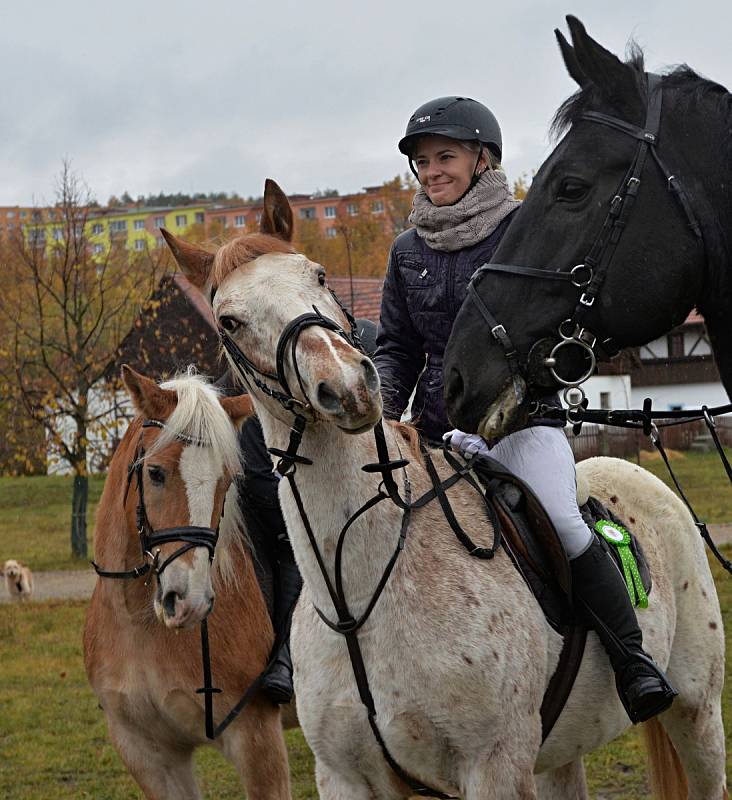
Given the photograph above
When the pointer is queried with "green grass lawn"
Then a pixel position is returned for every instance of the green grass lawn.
(54, 743)
(36, 519)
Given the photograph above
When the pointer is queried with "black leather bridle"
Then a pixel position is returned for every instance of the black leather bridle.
(190, 536)
(582, 330)
(346, 624)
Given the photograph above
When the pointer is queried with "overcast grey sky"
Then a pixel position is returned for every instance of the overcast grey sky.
(151, 95)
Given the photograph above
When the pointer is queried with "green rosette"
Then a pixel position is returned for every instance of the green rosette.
(619, 538)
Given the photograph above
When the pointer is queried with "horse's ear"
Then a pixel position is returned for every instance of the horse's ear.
(195, 262)
(239, 408)
(277, 214)
(570, 60)
(147, 397)
(614, 78)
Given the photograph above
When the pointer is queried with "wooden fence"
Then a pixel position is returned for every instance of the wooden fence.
(603, 440)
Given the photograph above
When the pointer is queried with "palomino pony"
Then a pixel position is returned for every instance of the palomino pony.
(141, 648)
(627, 226)
(456, 651)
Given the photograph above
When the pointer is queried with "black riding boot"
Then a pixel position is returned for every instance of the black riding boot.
(277, 683)
(603, 596)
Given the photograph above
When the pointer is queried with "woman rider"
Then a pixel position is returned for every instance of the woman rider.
(461, 210)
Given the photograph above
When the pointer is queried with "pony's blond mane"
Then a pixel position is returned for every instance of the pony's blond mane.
(200, 416)
(244, 249)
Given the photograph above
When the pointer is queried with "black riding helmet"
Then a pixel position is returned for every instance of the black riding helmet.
(456, 117)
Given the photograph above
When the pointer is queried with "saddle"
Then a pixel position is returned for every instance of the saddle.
(533, 545)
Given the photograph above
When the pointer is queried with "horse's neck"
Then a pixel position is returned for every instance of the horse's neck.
(332, 489)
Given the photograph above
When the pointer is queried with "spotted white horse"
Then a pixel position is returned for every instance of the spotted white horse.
(457, 652)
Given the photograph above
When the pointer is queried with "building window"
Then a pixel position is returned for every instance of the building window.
(377, 207)
(675, 345)
(97, 228)
(98, 249)
(258, 217)
(118, 226)
(240, 221)
(181, 220)
(36, 216)
(10, 214)
(221, 221)
(159, 241)
(604, 399)
(58, 234)
(139, 244)
(331, 232)
(159, 222)
(139, 224)
(308, 213)
(37, 236)
(199, 217)
(352, 209)
(330, 212)
(23, 214)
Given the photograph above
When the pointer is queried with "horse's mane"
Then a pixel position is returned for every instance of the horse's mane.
(243, 249)
(681, 78)
(410, 436)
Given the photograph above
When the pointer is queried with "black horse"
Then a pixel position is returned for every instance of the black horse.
(637, 198)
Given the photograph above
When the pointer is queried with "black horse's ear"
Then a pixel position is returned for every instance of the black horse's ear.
(277, 214)
(603, 68)
(570, 60)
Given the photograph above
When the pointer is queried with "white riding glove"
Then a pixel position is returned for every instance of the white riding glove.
(467, 444)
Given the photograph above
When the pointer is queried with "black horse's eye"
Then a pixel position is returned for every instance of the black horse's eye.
(321, 277)
(572, 190)
(229, 324)
(157, 475)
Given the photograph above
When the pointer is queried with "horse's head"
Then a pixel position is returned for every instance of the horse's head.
(640, 285)
(274, 306)
(182, 452)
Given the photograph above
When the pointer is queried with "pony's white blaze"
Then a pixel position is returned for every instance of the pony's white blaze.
(201, 469)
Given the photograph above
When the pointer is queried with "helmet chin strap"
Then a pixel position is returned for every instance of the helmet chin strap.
(473, 180)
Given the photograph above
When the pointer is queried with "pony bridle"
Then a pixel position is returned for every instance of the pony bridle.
(582, 330)
(190, 536)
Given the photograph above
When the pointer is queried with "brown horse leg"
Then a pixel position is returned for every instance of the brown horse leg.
(559, 784)
(163, 772)
(256, 747)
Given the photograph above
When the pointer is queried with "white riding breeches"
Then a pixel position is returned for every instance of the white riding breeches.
(542, 458)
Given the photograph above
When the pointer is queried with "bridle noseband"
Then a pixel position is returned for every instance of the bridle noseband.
(582, 330)
(191, 536)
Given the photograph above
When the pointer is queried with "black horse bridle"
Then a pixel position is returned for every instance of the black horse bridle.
(191, 536)
(582, 330)
(346, 624)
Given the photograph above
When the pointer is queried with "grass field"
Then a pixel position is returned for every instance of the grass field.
(35, 524)
(54, 743)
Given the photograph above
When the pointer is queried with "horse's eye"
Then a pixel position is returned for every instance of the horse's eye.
(321, 278)
(157, 475)
(229, 324)
(572, 190)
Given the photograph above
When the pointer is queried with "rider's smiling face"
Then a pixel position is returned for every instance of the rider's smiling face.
(445, 168)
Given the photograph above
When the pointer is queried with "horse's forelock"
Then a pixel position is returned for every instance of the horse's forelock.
(242, 250)
(200, 416)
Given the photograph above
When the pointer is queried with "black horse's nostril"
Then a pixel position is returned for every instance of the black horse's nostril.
(455, 387)
(327, 398)
(169, 603)
(371, 376)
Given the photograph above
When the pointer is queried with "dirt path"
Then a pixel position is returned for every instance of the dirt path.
(78, 584)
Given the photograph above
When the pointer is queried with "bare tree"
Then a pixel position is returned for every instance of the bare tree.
(68, 306)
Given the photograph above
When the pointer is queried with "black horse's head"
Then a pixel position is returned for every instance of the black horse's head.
(654, 273)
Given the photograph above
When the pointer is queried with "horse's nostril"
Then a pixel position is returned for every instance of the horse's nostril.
(327, 398)
(455, 386)
(371, 376)
(169, 603)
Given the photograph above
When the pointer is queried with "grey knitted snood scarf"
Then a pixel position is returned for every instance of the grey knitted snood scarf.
(470, 220)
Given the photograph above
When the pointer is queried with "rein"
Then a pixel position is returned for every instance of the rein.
(582, 330)
(346, 624)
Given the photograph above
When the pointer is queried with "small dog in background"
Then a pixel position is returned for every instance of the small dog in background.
(18, 580)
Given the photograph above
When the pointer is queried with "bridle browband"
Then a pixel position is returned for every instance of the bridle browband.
(582, 329)
(191, 536)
